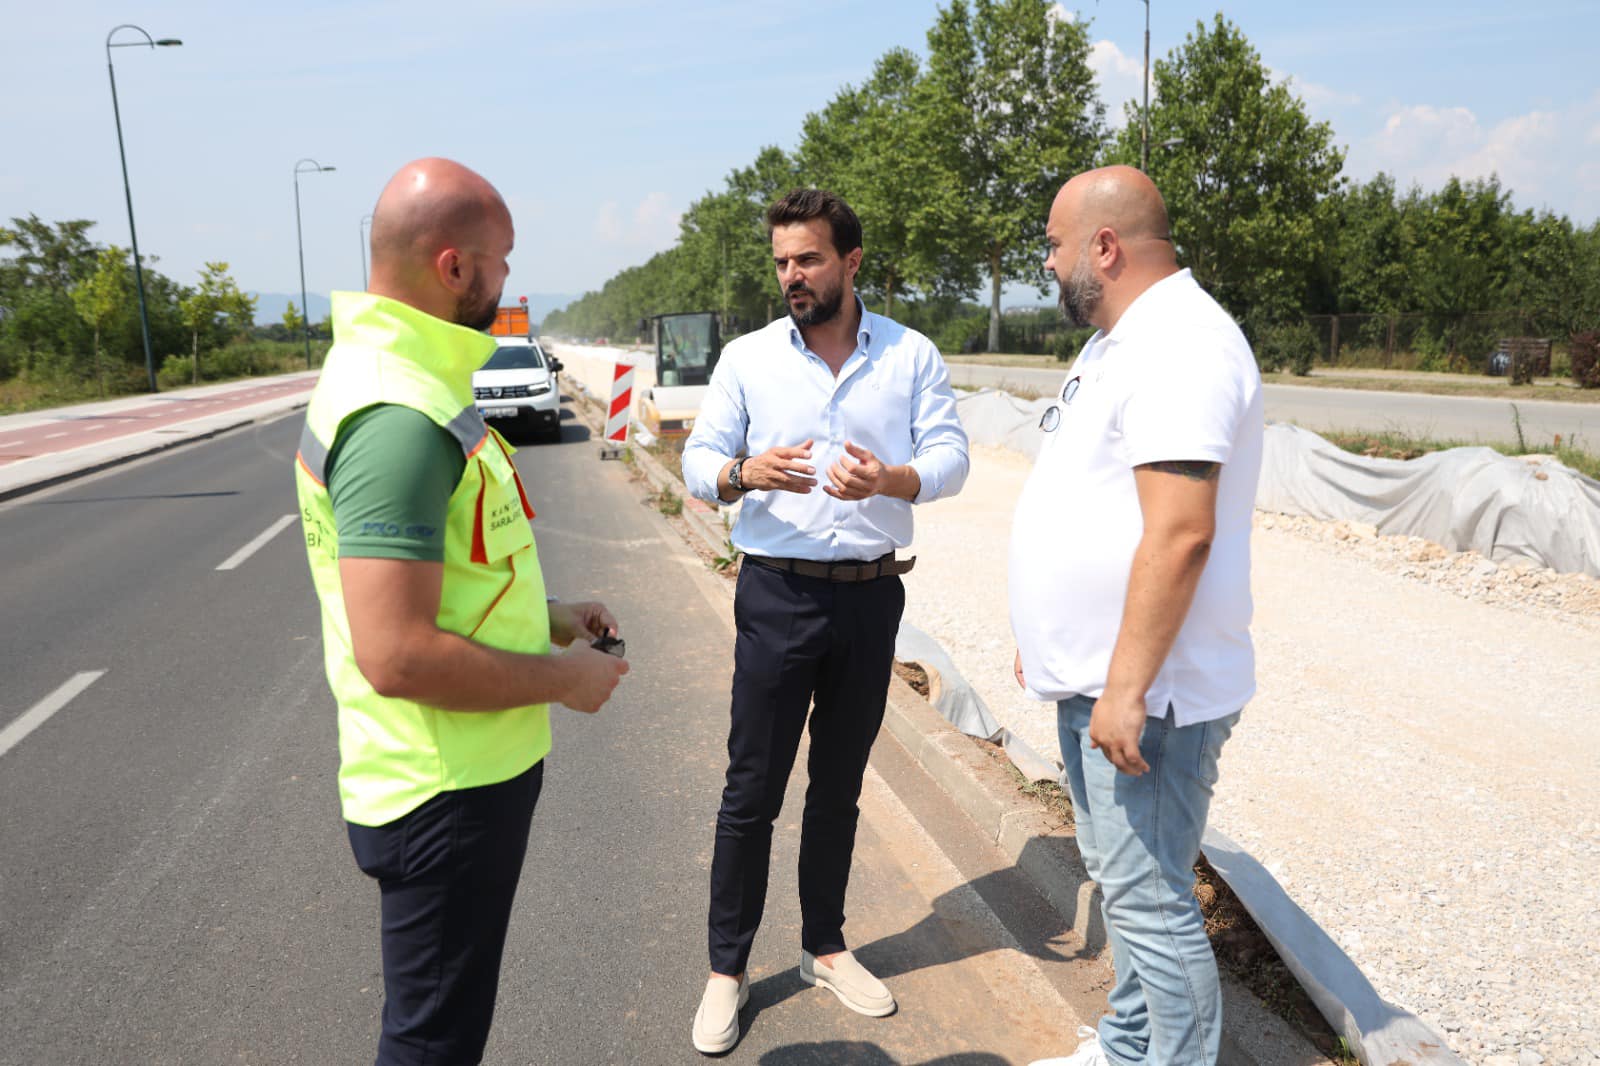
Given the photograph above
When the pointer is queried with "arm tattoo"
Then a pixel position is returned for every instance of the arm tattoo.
(1193, 469)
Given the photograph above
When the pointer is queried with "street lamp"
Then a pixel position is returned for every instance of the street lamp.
(305, 312)
(127, 191)
(1144, 115)
(364, 220)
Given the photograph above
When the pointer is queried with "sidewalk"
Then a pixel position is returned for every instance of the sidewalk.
(43, 448)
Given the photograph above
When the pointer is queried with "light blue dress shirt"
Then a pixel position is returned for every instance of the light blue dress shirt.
(892, 397)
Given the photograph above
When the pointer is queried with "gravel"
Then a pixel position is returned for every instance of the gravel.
(1418, 767)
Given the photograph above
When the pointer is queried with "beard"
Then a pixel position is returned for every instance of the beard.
(824, 308)
(1079, 295)
(476, 310)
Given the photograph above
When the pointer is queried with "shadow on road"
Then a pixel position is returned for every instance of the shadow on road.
(862, 1053)
(948, 935)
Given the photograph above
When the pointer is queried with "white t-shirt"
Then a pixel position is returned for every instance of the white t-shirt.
(1174, 380)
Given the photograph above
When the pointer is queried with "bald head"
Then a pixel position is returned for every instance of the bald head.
(438, 231)
(1110, 240)
(1120, 198)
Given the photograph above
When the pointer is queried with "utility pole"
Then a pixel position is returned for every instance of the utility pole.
(1144, 112)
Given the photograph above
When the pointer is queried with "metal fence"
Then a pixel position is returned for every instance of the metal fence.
(1462, 343)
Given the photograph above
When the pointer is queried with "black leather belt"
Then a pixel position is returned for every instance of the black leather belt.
(883, 566)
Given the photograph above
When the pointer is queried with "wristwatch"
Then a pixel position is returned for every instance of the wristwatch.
(734, 481)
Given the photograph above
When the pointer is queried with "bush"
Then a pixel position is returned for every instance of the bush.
(1069, 342)
(964, 335)
(176, 371)
(1287, 344)
(1585, 359)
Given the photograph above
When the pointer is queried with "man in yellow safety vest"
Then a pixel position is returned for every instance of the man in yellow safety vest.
(436, 629)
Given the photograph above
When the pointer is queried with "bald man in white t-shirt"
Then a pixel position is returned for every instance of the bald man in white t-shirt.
(1130, 596)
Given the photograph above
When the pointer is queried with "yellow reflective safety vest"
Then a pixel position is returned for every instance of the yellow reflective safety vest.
(395, 754)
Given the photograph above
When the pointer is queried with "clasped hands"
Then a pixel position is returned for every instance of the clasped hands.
(786, 469)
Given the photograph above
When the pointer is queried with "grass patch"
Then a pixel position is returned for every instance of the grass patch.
(668, 451)
(669, 503)
(234, 362)
(1395, 445)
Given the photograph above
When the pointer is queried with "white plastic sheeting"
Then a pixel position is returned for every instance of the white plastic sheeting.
(962, 707)
(1462, 498)
(1476, 499)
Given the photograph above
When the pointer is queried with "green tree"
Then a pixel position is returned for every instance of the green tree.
(101, 296)
(726, 253)
(216, 297)
(1011, 101)
(293, 320)
(38, 318)
(865, 145)
(1246, 182)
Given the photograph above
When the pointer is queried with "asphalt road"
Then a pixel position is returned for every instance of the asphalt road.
(1463, 418)
(176, 886)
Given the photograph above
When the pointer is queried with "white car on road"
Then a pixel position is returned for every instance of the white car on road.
(518, 386)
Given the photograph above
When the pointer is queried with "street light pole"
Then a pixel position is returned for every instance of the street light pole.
(364, 220)
(305, 312)
(1144, 114)
(127, 190)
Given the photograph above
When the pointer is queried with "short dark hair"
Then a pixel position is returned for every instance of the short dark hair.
(803, 205)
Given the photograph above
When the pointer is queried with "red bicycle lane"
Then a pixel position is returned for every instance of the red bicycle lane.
(77, 428)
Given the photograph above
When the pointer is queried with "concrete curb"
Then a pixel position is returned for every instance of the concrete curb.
(46, 471)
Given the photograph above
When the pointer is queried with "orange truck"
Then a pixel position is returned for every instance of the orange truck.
(512, 321)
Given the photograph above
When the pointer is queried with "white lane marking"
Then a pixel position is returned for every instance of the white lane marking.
(9, 443)
(53, 436)
(40, 712)
(256, 545)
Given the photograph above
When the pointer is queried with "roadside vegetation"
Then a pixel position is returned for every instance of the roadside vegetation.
(1319, 269)
(70, 331)
(1570, 451)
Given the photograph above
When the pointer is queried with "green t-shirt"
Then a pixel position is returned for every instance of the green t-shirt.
(390, 476)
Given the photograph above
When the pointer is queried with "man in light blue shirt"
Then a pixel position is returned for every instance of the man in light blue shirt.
(829, 423)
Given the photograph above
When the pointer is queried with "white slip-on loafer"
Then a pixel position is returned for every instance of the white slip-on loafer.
(850, 981)
(716, 1023)
(1088, 1053)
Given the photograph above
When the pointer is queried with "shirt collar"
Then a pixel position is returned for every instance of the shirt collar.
(448, 351)
(863, 331)
(1146, 307)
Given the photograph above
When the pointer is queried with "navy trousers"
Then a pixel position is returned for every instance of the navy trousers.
(800, 640)
(447, 873)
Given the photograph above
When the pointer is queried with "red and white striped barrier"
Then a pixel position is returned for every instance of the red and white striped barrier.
(621, 406)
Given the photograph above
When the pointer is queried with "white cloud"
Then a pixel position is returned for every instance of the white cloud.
(652, 224)
(608, 223)
(1059, 13)
(1318, 96)
(1121, 78)
(1540, 156)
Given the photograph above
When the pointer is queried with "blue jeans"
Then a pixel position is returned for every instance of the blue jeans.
(1140, 837)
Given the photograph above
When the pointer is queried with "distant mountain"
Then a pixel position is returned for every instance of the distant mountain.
(271, 305)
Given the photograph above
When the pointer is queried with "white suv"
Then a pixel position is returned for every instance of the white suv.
(518, 385)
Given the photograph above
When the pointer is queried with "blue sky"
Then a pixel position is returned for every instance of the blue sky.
(600, 122)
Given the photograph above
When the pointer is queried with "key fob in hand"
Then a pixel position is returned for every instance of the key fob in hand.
(610, 645)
